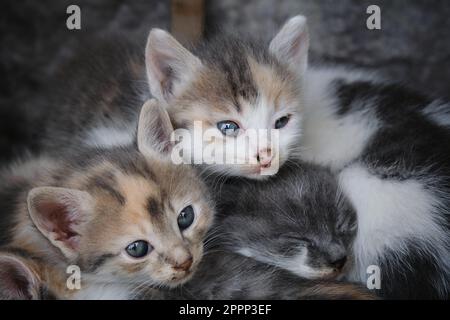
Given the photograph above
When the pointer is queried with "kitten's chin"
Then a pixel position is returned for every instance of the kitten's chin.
(173, 283)
(257, 172)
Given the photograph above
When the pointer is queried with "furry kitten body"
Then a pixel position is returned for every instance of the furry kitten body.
(126, 217)
(297, 220)
(393, 162)
(389, 147)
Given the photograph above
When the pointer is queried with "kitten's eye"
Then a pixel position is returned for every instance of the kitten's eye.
(228, 128)
(138, 249)
(282, 122)
(185, 218)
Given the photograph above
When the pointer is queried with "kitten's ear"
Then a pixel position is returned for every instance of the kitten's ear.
(18, 280)
(291, 44)
(61, 214)
(169, 65)
(154, 130)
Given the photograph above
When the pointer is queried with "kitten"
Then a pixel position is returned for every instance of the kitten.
(127, 217)
(389, 147)
(235, 101)
(297, 220)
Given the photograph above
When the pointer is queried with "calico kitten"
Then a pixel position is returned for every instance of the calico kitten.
(297, 220)
(237, 103)
(127, 217)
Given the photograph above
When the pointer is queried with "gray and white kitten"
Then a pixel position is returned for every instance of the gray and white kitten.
(389, 147)
(297, 220)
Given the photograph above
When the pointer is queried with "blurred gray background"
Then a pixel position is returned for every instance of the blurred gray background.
(413, 45)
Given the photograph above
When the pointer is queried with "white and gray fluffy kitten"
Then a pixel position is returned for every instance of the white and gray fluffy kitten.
(389, 147)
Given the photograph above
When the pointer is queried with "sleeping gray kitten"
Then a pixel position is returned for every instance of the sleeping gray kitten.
(285, 238)
(297, 220)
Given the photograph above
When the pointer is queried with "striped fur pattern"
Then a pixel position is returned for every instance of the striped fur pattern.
(86, 206)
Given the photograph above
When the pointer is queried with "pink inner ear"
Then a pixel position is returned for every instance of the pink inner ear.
(56, 219)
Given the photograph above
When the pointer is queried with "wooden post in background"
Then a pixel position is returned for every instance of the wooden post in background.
(187, 20)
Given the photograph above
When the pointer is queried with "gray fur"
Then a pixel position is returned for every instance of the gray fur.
(301, 207)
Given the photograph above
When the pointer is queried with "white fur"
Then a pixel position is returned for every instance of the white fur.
(389, 213)
(329, 139)
(438, 112)
(298, 264)
(109, 137)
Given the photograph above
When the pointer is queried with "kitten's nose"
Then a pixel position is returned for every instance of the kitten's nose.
(264, 157)
(339, 264)
(184, 266)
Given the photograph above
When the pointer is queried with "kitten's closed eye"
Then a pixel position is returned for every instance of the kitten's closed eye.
(296, 239)
(282, 122)
(228, 128)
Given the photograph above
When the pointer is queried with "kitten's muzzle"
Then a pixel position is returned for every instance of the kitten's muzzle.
(339, 264)
(264, 157)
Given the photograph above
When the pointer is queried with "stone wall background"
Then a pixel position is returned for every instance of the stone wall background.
(413, 45)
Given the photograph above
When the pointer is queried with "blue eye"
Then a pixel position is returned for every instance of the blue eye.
(228, 128)
(282, 122)
(185, 218)
(138, 249)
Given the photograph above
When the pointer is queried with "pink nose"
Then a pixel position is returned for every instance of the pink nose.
(185, 265)
(264, 157)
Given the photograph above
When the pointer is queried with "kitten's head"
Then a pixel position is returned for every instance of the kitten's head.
(128, 215)
(298, 220)
(240, 102)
